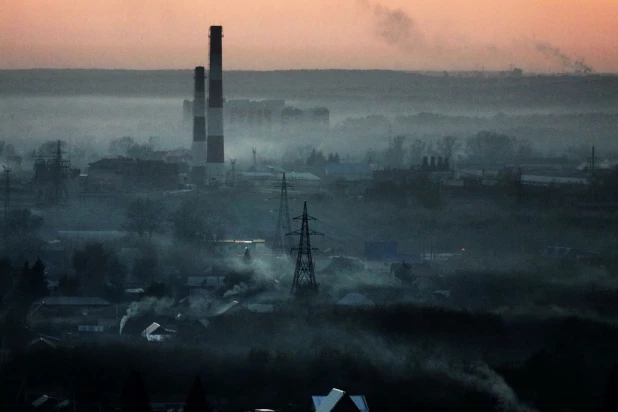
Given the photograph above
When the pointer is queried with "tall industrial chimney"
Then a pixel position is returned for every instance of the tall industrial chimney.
(215, 161)
(198, 149)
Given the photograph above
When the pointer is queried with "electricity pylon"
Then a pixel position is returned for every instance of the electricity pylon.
(304, 283)
(284, 224)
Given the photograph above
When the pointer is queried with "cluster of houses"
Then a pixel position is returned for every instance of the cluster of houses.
(335, 401)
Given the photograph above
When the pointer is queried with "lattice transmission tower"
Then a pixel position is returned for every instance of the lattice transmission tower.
(59, 173)
(284, 224)
(50, 176)
(304, 283)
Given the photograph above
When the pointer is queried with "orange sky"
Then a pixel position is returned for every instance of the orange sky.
(292, 34)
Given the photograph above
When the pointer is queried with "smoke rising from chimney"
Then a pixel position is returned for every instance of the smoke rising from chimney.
(554, 53)
(148, 304)
(396, 28)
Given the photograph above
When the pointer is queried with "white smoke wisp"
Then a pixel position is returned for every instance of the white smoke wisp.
(240, 289)
(148, 304)
(264, 275)
(483, 378)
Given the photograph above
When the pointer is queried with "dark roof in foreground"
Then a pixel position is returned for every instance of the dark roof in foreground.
(72, 301)
(335, 397)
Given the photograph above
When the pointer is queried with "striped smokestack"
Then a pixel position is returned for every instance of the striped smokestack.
(198, 149)
(215, 158)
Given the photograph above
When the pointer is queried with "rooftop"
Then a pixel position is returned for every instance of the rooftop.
(301, 176)
(155, 329)
(336, 396)
(72, 301)
(355, 299)
(349, 168)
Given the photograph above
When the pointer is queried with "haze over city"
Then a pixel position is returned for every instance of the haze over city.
(278, 34)
(286, 206)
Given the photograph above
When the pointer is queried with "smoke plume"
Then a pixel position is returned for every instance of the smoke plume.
(149, 304)
(554, 53)
(240, 289)
(395, 27)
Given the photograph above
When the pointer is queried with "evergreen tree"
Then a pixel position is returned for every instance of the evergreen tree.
(446, 164)
(157, 289)
(69, 285)
(311, 159)
(32, 284)
(610, 399)
(196, 401)
(6, 278)
(37, 280)
(134, 395)
(425, 165)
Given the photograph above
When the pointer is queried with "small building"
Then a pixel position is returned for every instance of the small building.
(74, 239)
(204, 285)
(380, 256)
(91, 328)
(238, 246)
(302, 180)
(70, 305)
(339, 401)
(46, 403)
(570, 254)
(123, 174)
(157, 333)
(354, 299)
(52, 284)
(320, 116)
(43, 343)
(260, 307)
(348, 172)
(226, 308)
(553, 179)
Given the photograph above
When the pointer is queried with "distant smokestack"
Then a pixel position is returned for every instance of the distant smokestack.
(198, 150)
(215, 157)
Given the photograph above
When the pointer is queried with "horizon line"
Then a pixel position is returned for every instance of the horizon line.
(408, 71)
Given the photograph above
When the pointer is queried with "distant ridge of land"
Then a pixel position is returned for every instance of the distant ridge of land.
(488, 88)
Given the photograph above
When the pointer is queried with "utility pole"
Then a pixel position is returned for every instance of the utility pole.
(593, 175)
(7, 198)
(304, 283)
(254, 151)
(284, 224)
(519, 185)
(233, 163)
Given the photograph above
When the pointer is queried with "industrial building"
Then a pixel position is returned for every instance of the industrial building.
(245, 118)
(302, 181)
(125, 174)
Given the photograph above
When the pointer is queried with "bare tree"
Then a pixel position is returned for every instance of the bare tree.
(144, 216)
(448, 146)
(394, 154)
(417, 150)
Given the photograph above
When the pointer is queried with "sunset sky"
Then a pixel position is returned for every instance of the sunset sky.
(290, 34)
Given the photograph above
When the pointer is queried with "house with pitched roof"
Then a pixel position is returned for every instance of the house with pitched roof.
(340, 401)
